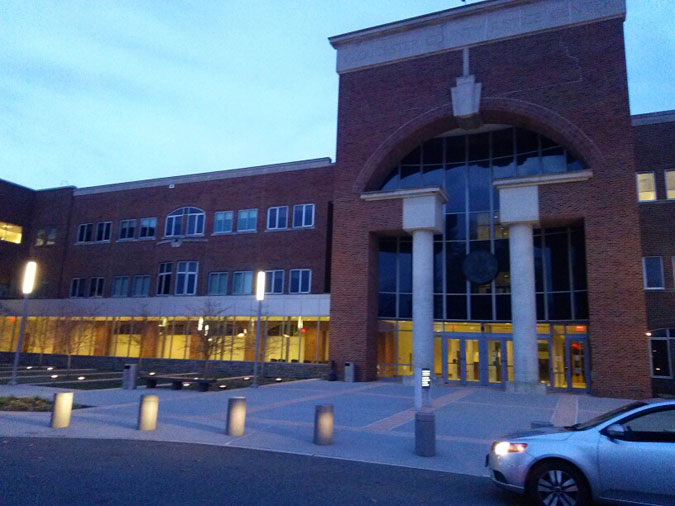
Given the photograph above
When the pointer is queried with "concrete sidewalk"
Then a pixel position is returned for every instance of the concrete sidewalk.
(374, 422)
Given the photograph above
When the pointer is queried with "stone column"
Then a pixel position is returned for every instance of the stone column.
(523, 308)
(423, 310)
(519, 210)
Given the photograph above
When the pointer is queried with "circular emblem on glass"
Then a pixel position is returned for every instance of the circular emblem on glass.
(480, 267)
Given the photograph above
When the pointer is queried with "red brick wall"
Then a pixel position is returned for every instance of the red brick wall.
(569, 84)
(287, 249)
(15, 207)
(655, 152)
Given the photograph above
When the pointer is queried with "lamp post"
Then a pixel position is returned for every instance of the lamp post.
(26, 288)
(260, 296)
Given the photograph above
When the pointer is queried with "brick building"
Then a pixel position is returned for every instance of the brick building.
(494, 215)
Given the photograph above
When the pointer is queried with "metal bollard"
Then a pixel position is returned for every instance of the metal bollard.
(63, 405)
(323, 425)
(147, 412)
(236, 416)
(425, 433)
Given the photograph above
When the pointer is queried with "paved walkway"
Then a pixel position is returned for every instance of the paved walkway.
(374, 422)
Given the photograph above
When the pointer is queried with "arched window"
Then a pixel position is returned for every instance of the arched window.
(185, 221)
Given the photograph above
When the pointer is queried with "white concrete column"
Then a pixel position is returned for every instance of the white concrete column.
(523, 308)
(423, 310)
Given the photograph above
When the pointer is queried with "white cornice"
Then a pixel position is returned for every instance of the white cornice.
(401, 194)
(652, 118)
(542, 179)
(465, 26)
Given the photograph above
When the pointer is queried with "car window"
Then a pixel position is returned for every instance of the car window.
(658, 425)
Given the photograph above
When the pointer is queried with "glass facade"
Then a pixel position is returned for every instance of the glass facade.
(466, 166)
(284, 338)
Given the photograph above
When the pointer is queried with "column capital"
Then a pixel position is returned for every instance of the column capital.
(422, 207)
(519, 204)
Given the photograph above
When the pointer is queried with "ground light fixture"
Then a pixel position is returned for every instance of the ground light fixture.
(29, 273)
(260, 296)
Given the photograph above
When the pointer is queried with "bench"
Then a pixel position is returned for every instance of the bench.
(177, 381)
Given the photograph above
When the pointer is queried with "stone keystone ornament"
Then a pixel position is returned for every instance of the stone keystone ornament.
(480, 267)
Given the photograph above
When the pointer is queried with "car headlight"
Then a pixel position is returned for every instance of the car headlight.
(504, 448)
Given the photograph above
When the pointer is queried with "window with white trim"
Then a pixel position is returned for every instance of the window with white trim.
(127, 229)
(147, 228)
(242, 282)
(303, 216)
(646, 187)
(247, 220)
(300, 281)
(653, 273)
(84, 232)
(670, 184)
(185, 221)
(274, 281)
(186, 278)
(218, 283)
(140, 286)
(120, 286)
(96, 287)
(77, 287)
(277, 218)
(164, 279)
(222, 222)
(103, 231)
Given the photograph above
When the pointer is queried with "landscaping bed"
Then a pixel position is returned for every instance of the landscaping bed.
(12, 403)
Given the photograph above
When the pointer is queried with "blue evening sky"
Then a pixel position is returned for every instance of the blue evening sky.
(95, 92)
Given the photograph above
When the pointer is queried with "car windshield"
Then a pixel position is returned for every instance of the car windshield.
(605, 416)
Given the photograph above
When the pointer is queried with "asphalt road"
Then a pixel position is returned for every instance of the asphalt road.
(45, 471)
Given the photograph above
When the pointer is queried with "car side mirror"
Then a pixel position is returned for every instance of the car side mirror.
(615, 431)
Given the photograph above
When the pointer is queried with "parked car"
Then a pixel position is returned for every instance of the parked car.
(625, 455)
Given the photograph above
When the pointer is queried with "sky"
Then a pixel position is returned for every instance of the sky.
(97, 91)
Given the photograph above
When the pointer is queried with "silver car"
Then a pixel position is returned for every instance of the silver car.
(626, 455)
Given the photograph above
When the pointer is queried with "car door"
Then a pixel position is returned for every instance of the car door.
(641, 465)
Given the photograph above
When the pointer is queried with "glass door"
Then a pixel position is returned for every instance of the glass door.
(472, 360)
(577, 361)
(494, 360)
(452, 363)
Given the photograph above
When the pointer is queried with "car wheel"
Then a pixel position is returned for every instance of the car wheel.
(556, 483)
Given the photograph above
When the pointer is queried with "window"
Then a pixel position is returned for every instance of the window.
(274, 281)
(148, 226)
(127, 229)
(670, 184)
(96, 287)
(45, 237)
(186, 278)
(657, 425)
(277, 218)
(242, 282)
(222, 223)
(185, 221)
(84, 232)
(301, 281)
(653, 272)
(247, 220)
(120, 286)
(141, 286)
(164, 279)
(303, 215)
(218, 283)
(646, 187)
(659, 358)
(103, 231)
(10, 233)
(77, 287)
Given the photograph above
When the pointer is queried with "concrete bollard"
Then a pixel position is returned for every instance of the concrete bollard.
(323, 425)
(147, 412)
(236, 416)
(425, 433)
(61, 409)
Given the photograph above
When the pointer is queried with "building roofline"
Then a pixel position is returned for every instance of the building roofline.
(652, 118)
(466, 26)
(259, 170)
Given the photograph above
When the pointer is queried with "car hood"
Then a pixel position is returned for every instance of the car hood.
(552, 434)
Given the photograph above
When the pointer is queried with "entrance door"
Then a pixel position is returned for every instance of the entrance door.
(495, 373)
(577, 361)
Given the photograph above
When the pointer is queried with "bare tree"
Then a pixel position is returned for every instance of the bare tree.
(210, 332)
(143, 338)
(70, 337)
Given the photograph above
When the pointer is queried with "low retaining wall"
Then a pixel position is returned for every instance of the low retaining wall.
(168, 365)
